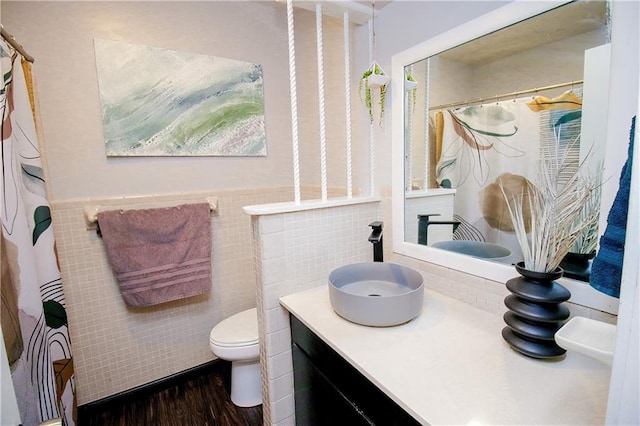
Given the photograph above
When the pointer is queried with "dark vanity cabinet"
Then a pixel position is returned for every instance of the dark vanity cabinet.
(330, 391)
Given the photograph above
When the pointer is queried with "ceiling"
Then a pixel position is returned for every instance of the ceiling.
(359, 10)
(558, 24)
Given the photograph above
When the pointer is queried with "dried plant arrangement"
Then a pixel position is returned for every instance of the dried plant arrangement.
(557, 207)
(587, 240)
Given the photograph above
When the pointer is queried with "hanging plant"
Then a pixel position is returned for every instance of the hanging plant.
(410, 84)
(373, 77)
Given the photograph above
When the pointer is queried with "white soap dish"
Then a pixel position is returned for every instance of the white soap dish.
(595, 339)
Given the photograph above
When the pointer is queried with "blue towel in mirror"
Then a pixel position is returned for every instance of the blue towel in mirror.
(606, 271)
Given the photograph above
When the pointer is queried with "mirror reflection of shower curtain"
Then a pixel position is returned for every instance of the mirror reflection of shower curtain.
(498, 144)
(34, 318)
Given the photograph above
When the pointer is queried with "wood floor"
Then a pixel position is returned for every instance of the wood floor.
(200, 401)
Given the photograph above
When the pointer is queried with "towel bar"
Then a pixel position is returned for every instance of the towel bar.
(91, 212)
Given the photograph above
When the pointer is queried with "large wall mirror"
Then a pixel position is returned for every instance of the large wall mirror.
(476, 105)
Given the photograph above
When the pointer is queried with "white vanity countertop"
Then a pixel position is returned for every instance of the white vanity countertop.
(450, 365)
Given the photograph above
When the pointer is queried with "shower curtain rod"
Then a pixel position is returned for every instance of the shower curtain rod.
(507, 95)
(12, 41)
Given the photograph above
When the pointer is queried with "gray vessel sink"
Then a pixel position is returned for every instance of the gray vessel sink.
(377, 294)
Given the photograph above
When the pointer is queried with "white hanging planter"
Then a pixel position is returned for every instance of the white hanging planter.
(377, 80)
(374, 81)
(410, 85)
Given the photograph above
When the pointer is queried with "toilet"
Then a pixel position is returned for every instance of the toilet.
(235, 339)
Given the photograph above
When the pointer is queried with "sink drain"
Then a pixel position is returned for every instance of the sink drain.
(375, 295)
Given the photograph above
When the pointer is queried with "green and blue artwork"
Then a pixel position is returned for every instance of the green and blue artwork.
(160, 102)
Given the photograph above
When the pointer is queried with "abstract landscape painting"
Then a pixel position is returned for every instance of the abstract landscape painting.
(160, 102)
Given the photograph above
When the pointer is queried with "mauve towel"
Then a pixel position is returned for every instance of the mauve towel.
(159, 255)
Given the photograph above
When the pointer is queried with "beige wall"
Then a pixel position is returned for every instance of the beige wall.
(115, 347)
(60, 36)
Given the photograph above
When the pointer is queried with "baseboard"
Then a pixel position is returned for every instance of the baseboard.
(88, 410)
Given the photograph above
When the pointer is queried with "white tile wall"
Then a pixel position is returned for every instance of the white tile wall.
(482, 293)
(116, 347)
(296, 252)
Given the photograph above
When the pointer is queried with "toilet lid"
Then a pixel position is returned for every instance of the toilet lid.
(240, 329)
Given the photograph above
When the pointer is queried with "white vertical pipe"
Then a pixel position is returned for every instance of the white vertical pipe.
(372, 159)
(408, 105)
(347, 102)
(426, 124)
(372, 130)
(323, 136)
(294, 102)
(371, 40)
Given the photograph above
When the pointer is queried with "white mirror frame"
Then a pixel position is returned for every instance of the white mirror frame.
(581, 293)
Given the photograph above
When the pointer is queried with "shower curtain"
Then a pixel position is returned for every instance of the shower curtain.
(34, 319)
(493, 145)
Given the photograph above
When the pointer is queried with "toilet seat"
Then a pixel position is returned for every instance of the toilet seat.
(238, 330)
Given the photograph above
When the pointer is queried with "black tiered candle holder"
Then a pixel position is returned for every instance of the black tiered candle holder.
(535, 313)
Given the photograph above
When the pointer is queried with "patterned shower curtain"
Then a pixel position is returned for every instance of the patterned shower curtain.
(34, 319)
(489, 146)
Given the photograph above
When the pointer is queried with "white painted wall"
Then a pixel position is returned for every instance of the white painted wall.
(624, 390)
(624, 393)
(60, 36)
(420, 21)
(398, 26)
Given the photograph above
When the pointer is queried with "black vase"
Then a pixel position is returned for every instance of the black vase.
(535, 313)
(577, 265)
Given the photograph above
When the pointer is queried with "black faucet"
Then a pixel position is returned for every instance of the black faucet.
(424, 222)
(376, 239)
